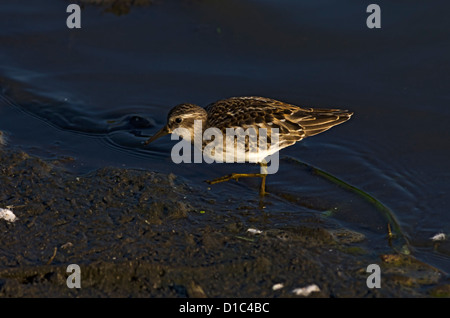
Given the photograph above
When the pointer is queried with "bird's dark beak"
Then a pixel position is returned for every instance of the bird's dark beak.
(164, 131)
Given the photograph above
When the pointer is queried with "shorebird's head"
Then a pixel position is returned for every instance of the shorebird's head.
(182, 116)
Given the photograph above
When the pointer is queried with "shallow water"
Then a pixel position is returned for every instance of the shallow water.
(96, 93)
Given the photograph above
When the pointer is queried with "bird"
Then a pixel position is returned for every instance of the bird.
(292, 123)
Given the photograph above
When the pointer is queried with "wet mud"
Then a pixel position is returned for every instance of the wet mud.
(137, 233)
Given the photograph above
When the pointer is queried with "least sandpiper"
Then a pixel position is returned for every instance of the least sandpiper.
(294, 123)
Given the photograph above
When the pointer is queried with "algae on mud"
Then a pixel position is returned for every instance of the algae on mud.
(138, 233)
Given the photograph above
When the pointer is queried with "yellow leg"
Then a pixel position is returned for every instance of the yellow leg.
(262, 190)
(236, 176)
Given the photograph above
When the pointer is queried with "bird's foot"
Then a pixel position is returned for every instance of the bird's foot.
(237, 176)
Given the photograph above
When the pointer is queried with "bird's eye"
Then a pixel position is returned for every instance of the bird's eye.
(178, 120)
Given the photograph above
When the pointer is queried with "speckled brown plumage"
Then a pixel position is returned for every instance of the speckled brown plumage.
(293, 122)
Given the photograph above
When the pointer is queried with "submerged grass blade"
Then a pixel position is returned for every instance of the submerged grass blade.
(394, 230)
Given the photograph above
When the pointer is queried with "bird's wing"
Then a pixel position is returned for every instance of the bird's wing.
(293, 122)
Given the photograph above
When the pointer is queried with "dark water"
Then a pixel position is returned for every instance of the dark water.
(95, 93)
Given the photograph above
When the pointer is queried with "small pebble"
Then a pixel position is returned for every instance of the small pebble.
(7, 215)
(277, 286)
(438, 237)
(305, 291)
(254, 231)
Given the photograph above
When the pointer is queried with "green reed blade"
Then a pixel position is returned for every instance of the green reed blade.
(387, 213)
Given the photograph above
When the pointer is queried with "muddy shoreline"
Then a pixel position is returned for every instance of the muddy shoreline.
(138, 233)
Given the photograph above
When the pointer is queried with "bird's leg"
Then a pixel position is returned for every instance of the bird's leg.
(236, 176)
(262, 190)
